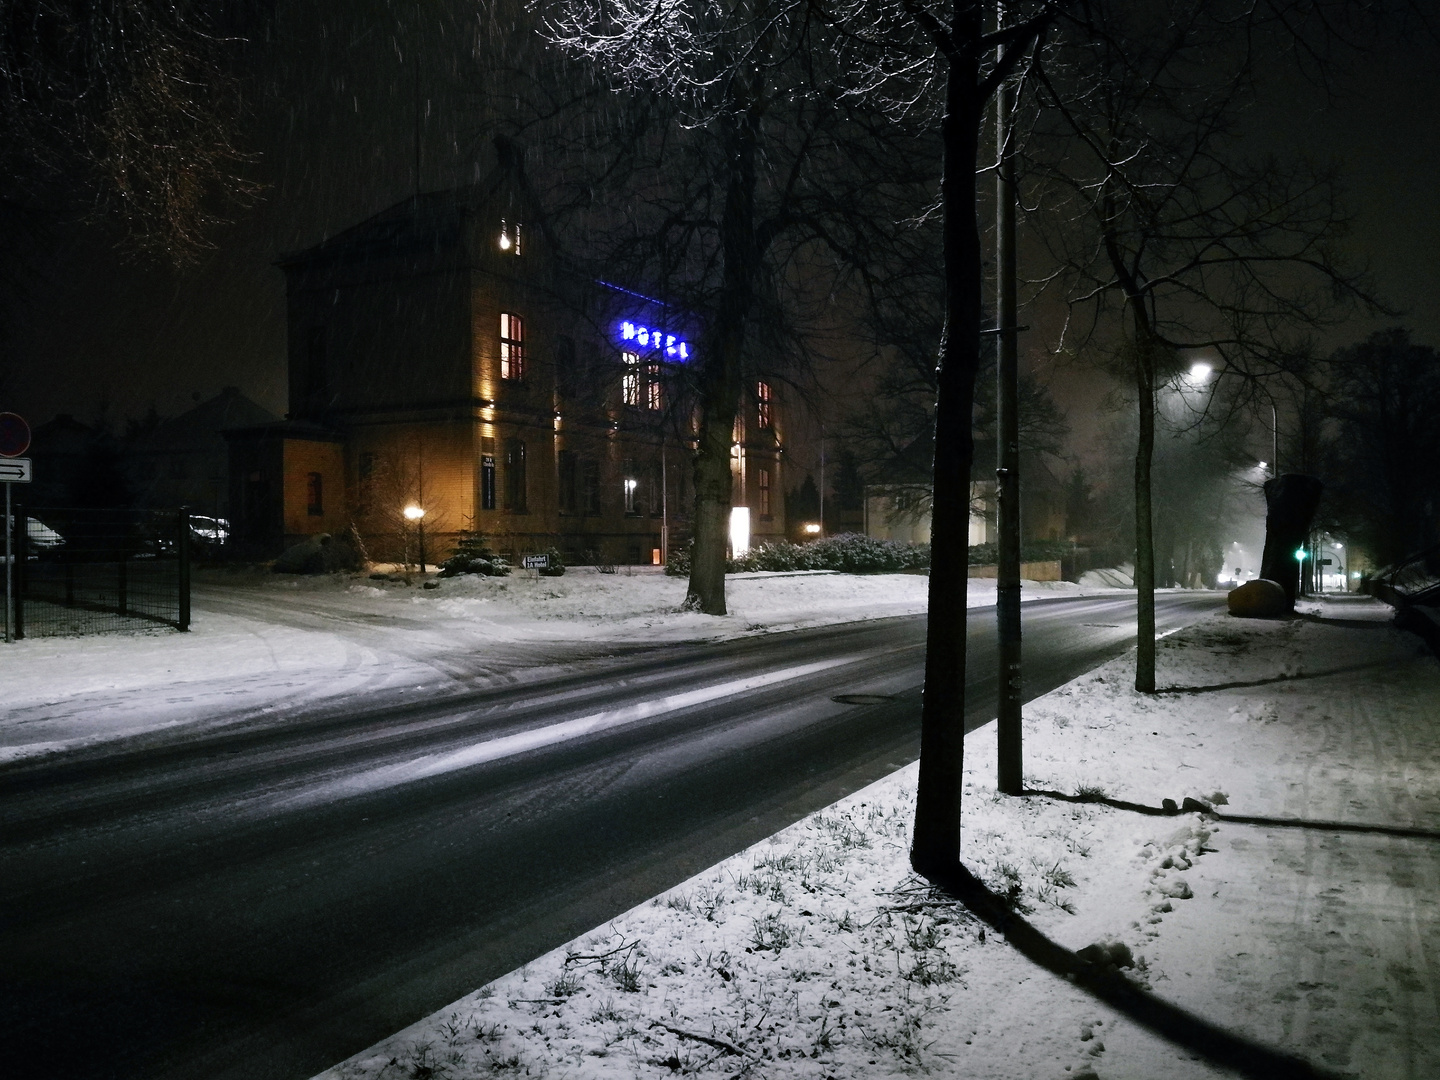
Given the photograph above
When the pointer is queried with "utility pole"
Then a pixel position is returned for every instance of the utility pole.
(1011, 779)
(822, 480)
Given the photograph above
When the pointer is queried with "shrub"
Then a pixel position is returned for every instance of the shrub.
(678, 564)
(472, 555)
(849, 553)
(555, 567)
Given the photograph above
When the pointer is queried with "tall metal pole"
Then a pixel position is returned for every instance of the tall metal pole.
(1007, 473)
(822, 481)
(9, 568)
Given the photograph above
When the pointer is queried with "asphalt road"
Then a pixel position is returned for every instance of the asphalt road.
(264, 901)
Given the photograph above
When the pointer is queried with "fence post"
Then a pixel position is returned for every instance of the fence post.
(21, 554)
(122, 567)
(182, 548)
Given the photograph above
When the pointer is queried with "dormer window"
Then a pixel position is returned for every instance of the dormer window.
(510, 237)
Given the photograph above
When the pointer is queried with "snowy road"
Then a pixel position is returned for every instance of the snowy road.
(260, 901)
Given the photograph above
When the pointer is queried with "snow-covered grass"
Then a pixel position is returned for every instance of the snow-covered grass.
(1309, 925)
(268, 642)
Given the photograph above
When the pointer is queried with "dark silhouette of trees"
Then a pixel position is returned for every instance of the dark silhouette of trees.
(1383, 454)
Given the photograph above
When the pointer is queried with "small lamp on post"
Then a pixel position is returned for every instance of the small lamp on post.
(417, 515)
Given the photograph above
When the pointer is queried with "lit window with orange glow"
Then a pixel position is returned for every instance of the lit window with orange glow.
(764, 397)
(512, 346)
(652, 387)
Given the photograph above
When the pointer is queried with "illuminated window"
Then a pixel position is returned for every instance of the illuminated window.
(764, 396)
(764, 484)
(512, 346)
(630, 380)
(509, 237)
(652, 387)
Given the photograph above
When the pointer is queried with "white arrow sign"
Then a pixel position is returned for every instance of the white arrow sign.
(15, 470)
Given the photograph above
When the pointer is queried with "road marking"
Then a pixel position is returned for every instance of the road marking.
(428, 765)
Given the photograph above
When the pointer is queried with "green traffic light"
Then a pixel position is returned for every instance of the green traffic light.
(1300, 554)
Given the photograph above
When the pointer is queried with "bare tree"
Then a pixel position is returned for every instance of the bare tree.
(127, 105)
(746, 176)
(1202, 249)
(926, 48)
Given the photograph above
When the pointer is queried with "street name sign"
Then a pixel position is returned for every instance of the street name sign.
(15, 470)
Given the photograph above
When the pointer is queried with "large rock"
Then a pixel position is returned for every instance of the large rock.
(1259, 599)
(306, 557)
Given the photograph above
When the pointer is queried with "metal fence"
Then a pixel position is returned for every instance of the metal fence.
(96, 571)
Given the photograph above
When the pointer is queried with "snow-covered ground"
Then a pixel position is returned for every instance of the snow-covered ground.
(263, 642)
(1301, 914)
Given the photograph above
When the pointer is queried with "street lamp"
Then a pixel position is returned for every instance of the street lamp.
(417, 515)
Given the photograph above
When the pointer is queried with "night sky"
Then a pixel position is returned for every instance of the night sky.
(333, 106)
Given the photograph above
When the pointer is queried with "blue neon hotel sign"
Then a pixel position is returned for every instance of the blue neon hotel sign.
(647, 337)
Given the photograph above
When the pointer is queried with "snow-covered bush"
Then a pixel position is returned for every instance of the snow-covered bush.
(849, 553)
(472, 555)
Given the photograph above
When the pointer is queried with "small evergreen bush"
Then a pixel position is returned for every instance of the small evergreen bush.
(556, 565)
(472, 555)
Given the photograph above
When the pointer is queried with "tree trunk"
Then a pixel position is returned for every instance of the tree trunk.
(936, 845)
(723, 372)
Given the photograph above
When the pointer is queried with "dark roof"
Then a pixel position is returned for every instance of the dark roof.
(433, 221)
(200, 427)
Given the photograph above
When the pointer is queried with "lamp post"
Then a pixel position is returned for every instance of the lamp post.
(417, 515)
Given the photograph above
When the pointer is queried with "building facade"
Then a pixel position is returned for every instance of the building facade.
(442, 360)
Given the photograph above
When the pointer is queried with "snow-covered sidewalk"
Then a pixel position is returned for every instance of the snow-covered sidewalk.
(267, 643)
(1301, 913)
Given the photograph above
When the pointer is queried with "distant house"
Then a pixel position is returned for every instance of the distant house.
(442, 359)
(898, 508)
(184, 461)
